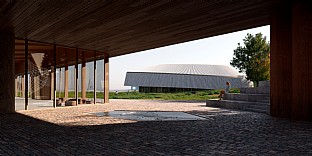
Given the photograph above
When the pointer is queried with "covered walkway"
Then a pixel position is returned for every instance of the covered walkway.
(73, 33)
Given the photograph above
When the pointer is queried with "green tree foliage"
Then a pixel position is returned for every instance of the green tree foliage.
(253, 58)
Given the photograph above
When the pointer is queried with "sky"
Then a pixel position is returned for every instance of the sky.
(217, 50)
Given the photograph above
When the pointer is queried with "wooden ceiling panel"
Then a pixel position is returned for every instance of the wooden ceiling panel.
(122, 27)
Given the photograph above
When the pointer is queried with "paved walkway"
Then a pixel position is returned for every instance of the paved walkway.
(72, 131)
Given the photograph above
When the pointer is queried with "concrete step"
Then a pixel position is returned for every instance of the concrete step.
(239, 105)
(247, 97)
(257, 90)
(264, 83)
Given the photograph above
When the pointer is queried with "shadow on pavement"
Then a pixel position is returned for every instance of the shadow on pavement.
(228, 133)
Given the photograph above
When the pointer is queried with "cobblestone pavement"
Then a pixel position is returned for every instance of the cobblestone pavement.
(70, 131)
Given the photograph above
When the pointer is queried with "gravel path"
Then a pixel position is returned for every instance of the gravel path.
(81, 115)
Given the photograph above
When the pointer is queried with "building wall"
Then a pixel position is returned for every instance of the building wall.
(183, 81)
(166, 89)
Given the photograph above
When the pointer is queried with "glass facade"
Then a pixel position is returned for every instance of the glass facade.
(56, 76)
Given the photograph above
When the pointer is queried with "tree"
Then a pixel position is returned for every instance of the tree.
(253, 58)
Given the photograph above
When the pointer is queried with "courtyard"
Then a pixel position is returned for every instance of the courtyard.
(78, 130)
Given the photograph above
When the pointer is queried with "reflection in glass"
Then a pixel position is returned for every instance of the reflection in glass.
(39, 69)
(41, 75)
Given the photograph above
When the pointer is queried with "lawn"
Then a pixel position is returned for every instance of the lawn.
(198, 95)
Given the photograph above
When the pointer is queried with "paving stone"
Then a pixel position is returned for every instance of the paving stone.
(70, 131)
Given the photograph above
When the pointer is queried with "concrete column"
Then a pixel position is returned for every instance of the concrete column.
(16, 87)
(54, 77)
(76, 77)
(60, 82)
(106, 79)
(20, 87)
(7, 70)
(291, 67)
(94, 78)
(66, 80)
(51, 86)
(83, 77)
(23, 86)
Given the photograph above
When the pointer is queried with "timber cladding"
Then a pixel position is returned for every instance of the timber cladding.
(121, 27)
(291, 67)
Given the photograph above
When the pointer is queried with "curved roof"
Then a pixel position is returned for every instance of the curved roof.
(192, 69)
(186, 76)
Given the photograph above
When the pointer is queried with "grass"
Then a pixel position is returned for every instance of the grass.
(198, 95)
(201, 95)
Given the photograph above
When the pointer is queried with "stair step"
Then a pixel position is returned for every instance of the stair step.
(247, 97)
(257, 90)
(239, 105)
(246, 102)
(264, 83)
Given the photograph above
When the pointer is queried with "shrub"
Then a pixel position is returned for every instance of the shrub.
(235, 90)
(203, 93)
(188, 93)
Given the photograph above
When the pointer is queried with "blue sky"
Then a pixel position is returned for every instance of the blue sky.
(217, 50)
